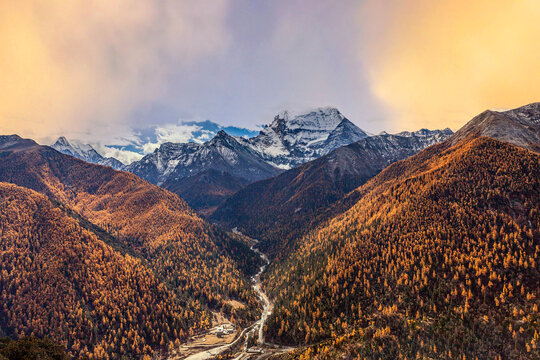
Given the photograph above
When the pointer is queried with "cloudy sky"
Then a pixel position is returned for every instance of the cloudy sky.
(102, 70)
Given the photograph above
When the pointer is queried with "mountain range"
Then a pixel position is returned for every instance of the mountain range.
(231, 162)
(279, 208)
(421, 244)
(286, 142)
(102, 257)
(434, 257)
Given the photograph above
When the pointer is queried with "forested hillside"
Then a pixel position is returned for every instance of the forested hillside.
(206, 190)
(281, 209)
(199, 266)
(438, 258)
(60, 280)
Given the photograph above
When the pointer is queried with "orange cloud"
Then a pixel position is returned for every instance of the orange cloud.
(69, 67)
(438, 63)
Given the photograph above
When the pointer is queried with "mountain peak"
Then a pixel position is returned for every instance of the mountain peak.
(223, 138)
(84, 152)
(222, 134)
(7, 141)
(282, 115)
(520, 126)
(62, 141)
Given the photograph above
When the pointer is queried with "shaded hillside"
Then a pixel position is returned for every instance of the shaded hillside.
(200, 264)
(59, 280)
(438, 258)
(206, 190)
(280, 209)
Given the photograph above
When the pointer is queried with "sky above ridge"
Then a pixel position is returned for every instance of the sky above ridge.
(101, 71)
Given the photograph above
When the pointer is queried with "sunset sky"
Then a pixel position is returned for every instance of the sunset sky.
(98, 70)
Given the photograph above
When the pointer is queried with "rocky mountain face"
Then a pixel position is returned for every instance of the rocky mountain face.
(520, 126)
(278, 209)
(290, 141)
(173, 162)
(85, 152)
(287, 142)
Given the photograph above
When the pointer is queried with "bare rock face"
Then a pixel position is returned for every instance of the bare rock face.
(519, 126)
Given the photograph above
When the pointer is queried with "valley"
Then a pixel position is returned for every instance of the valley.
(417, 244)
(249, 342)
(269, 180)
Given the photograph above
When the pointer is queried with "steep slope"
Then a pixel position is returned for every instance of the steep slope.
(157, 167)
(277, 210)
(60, 280)
(206, 190)
(200, 264)
(344, 134)
(438, 258)
(85, 152)
(225, 153)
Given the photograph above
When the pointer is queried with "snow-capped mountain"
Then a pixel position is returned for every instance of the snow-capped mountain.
(428, 137)
(293, 140)
(85, 152)
(224, 153)
(292, 199)
(287, 142)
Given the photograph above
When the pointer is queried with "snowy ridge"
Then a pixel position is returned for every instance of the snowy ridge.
(291, 141)
(84, 152)
(288, 141)
(224, 152)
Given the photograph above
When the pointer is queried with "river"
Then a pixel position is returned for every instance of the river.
(258, 325)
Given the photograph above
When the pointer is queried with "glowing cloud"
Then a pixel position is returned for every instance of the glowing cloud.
(79, 66)
(438, 63)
